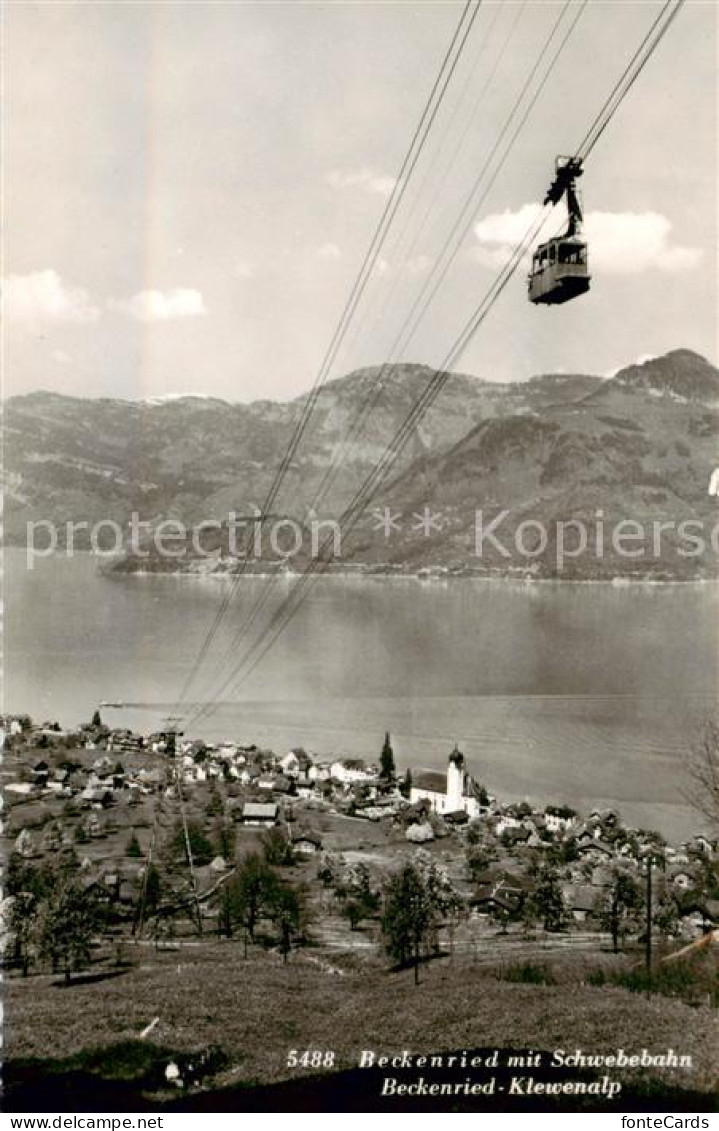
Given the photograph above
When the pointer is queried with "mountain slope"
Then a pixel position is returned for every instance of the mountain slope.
(639, 447)
(636, 449)
(195, 458)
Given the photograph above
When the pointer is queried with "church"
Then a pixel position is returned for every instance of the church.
(456, 792)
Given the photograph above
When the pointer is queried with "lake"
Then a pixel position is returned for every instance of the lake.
(584, 694)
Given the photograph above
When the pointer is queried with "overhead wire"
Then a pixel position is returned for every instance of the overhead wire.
(444, 168)
(363, 497)
(365, 493)
(471, 203)
(418, 141)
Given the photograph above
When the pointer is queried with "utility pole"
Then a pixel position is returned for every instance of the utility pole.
(648, 943)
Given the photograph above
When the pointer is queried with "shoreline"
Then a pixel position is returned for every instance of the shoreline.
(424, 574)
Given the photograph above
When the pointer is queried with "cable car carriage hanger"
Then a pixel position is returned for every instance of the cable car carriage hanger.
(559, 266)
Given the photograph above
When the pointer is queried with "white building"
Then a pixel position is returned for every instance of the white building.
(352, 770)
(558, 819)
(451, 793)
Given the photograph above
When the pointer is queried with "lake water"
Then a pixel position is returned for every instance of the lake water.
(585, 694)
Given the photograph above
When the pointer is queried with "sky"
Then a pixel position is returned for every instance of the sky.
(191, 187)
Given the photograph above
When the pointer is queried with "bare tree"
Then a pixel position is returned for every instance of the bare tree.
(703, 770)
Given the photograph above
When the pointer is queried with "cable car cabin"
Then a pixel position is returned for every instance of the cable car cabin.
(559, 271)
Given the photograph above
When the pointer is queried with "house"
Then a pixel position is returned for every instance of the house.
(595, 850)
(305, 786)
(580, 900)
(307, 844)
(22, 787)
(295, 762)
(558, 818)
(506, 821)
(602, 876)
(499, 895)
(194, 772)
(352, 770)
(318, 772)
(274, 783)
(452, 792)
(260, 814)
(513, 837)
(97, 797)
(460, 817)
(250, 775)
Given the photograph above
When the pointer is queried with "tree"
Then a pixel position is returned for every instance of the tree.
(618, 905)
(52, 837)
(277, 848)
(162, 929)
(96, 719)
(352, 909)
(703, 771)
(546, 903)
(133, 846)
(23, 876)
(406, 786)
(226, 840)
(328, 869)
(665, 915)
(22, 936)
(69, 918)
(386, 761)
(222, 899)
(287, 913)
(359, 898)
(478, 860)
(449, 907)
(214, 807)
(199, 846)
(252, 893)
(409, 917)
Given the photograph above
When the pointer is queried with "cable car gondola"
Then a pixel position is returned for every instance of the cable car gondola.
(559, 266)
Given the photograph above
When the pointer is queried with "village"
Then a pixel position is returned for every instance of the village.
(120, 803)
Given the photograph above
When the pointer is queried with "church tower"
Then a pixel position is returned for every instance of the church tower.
(455, 781)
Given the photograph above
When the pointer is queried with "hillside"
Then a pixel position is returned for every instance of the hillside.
(256, 1009)
(640, 446)
(194, 458)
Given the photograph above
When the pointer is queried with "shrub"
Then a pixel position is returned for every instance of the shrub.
(527, 973)
(597, 977)
(674, 979)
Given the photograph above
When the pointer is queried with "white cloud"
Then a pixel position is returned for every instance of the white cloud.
(506, 228)
(329, 251)
(365, 179)
(163, 306)
(42, 297)
(629, 243)
(620, 243)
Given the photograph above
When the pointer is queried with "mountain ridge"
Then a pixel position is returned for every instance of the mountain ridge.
(641, 443)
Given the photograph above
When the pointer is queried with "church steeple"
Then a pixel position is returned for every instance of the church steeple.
(457, 756)
(455, 780)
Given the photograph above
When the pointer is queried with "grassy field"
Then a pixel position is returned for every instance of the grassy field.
(257, 1009)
